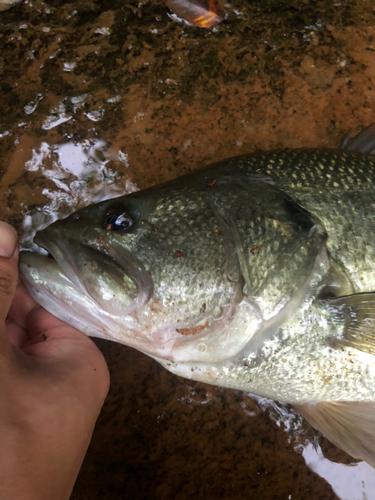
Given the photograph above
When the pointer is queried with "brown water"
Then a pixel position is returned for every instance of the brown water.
(101, 97)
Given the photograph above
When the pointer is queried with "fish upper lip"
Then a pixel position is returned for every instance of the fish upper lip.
(56, 252)
(50, 241)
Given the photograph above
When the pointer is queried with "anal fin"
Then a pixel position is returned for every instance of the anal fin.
(350, 426)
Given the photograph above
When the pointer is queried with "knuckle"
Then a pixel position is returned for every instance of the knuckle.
(7, 282)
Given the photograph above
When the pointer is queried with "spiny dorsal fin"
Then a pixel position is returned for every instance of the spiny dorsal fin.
(356, 314)
(350, 426)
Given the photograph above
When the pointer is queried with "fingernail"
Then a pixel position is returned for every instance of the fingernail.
(8, 240)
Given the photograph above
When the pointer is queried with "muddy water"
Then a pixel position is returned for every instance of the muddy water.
(99, 98)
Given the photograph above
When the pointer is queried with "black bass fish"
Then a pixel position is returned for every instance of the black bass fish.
(256, 273)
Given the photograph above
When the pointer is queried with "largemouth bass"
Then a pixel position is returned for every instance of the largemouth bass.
(256, 273)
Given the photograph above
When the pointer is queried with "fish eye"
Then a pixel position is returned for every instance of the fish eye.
(118, 219)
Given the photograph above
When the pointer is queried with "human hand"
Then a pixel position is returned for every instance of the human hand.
(53, 382)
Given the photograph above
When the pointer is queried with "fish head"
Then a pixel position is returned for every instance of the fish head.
(187, 271)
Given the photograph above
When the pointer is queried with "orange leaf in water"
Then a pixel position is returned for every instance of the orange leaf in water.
(201, 13)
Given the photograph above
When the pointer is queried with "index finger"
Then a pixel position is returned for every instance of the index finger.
(28, 314)
(22, 305)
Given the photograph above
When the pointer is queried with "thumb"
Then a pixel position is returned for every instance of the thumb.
(8, 267)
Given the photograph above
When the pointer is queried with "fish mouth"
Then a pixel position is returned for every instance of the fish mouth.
(108, 273)
(89, 286)
(59, 252)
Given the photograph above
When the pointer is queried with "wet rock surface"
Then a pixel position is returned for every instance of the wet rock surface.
(140, 98)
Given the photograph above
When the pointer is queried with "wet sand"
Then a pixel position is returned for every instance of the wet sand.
(116, 96)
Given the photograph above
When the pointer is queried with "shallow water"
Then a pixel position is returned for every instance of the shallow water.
(100, 98)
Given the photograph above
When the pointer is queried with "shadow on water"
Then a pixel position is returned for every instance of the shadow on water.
(99, 98)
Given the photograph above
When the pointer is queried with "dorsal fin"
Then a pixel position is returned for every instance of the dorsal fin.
(363, 142)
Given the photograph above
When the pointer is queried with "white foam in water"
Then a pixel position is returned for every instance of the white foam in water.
(349, 482)
(58, 116)
(81, 176)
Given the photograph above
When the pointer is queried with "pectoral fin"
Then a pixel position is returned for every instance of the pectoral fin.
(356, 315)
(350, 426)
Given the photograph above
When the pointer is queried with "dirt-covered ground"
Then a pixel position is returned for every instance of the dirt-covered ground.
(101, 97)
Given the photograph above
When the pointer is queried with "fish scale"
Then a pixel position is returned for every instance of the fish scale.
(337, 187)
